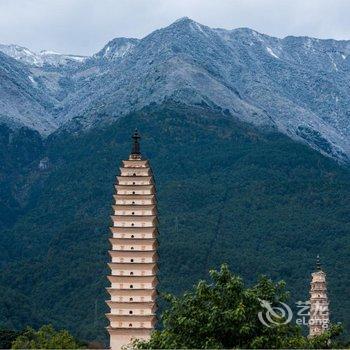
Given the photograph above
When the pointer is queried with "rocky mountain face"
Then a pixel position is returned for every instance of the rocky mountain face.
(23, 99)
(296, 85)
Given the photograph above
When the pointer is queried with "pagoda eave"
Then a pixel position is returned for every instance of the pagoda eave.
(135, 195)
(139, 187)
(131, 265)
(132, 317)
(152, 279)
(136, 218)
(131, 240)
(128, 304)
(131, 229)
(134, 206)
(118, 330)
(141, 253)
(139, 162)
(110, 289)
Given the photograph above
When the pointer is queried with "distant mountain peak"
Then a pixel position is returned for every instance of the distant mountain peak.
(187, 22)
(40, 59)
(116, 48)
(296, 85)
(183, 19)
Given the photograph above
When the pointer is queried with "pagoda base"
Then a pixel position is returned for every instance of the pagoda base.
(121, 338)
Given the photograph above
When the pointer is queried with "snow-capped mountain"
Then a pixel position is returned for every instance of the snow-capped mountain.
(297, 85)
(117, 48)
(40, 59)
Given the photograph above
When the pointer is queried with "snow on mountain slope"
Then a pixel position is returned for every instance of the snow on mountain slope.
(297, 85)
(289, 84)
(22, 103)
(39, 59)
(117, 48)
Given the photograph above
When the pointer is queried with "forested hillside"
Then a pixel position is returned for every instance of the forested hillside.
(227, 193)
(18, 150)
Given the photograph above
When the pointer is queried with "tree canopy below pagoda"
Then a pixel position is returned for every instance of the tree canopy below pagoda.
(223, 314)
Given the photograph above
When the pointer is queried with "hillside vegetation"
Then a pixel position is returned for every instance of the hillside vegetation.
(227, 192)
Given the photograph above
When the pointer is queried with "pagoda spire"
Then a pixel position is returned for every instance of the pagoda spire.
(319, 305)
(318, 263)
(135, 152)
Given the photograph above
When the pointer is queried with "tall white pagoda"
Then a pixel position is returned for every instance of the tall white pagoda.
(134, 256)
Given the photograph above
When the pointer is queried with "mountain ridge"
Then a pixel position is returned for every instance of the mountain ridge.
(298, 85)
(39, 59)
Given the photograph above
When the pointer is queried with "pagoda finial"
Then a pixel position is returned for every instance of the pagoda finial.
(136, 144)
(318, 263)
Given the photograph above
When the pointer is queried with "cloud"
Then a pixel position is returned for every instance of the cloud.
(84, 26)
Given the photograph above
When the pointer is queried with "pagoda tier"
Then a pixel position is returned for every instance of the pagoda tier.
(140, 256)
(133, 278)
(319, 306)
(138, 199)
(126, 294)
(134, 209)
(119, 231)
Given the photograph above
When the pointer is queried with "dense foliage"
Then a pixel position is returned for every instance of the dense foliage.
(224, 315)
(45, 338)
(7, 337)
(226, 191)
(17, 151)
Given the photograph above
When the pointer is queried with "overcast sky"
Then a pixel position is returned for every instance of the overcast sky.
(85, 26)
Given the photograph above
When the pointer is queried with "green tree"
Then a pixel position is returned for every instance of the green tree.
(224, 314)
(45, 338)
(7, 336)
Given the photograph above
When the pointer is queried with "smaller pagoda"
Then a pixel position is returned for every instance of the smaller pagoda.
(319, 305)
